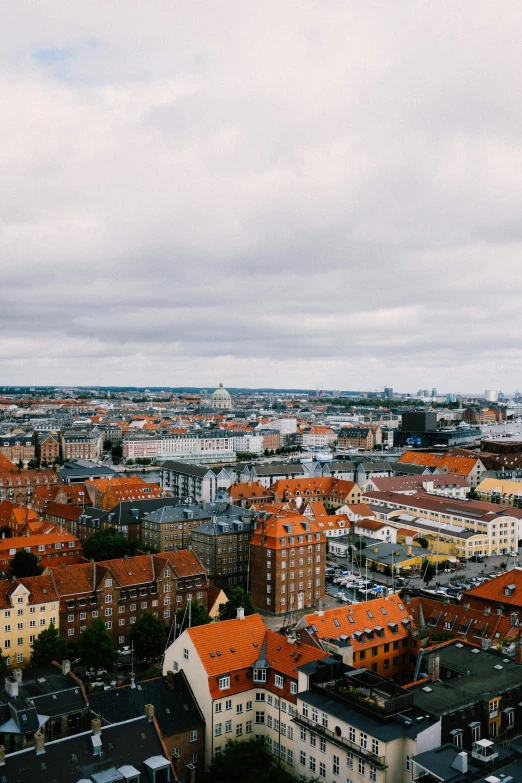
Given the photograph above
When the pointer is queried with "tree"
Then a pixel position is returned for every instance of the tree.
(387, 571)
(107, 545)
(148, 636)
(427, 570)
(236, 598)
(48, 647)
(20, 464)
(33, 463)
(423, 542)
(4, 667)
(248, 760)
(107, 445)
(95, 647)
(472, 494)
(25, 564)
(198, 616)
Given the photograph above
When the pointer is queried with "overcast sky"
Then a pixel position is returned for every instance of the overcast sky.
(265, 194)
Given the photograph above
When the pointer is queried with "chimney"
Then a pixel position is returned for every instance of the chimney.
(487, 611)
(39, 742)
(240, 613)
(407, 598)
(17, 674)
(170, 679)
(486, 643)
(149, 711)
(518, 649)
(191, 768)
(461, 762)
(66, 667)
(434, 668)
(2, 755)
(96, 726)
(11, 687)
(409, 550)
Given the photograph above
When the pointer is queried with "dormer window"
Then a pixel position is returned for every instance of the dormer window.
(259, 675)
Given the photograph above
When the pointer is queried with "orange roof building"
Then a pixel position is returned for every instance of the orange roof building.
(244, 678)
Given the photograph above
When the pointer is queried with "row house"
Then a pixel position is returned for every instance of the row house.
(17, 447)
(18, 486)
(244, 678)
(27, 607)
(119, 591)
(287, 562)
(52, 548)
(332, 492)
(375, 635)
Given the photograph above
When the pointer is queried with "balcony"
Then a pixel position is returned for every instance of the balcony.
(371, 693)
(342, 742)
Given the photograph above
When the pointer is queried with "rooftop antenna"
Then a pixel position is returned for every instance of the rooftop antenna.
(133, 684)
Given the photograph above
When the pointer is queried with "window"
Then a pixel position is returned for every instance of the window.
(194, 736)
(279, 681)
(335, 765)
(248, 706)
(224, 683)
(248, 727)
(311, 764)
(322, 745)
(375, 747)
(349, 760)
(364, 740)
(228, 726)
(361, 767)
(108, 599)
(239, 729)
(260, 717)
(302, 758)
(475, 732)
(228, 704)
(351, 734)
(260, 675)
(217, 706)
(185, 654)
(313, 739)
(373, 773)
(217, 729)
(408, 763)
(42, 621)
(94, 614)
(239, 709)
(70, 618)
(70, 632)
(108, 612)
(322, 770)
(261, 697)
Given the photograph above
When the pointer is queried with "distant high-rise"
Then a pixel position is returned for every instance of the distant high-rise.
(490, 395)
(388, 393)
(451, 397)
(434, 392)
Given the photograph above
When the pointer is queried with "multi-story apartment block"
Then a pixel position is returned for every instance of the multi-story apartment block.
(47, 448)
(271, 439)
(332, 492)
(222, 545)
(51, 546)
(18, 485)
(356, 438)
(17, 447)
(108, 492)
(119, 591)
(500, 528)
(27, 607)
(287, 557)
(170, 527)
(318, 437)
(81, 444)
(245, 680)
(202, 483)
(375, 635)
(355, 725)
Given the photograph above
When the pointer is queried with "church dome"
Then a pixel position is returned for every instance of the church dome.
(221, 398)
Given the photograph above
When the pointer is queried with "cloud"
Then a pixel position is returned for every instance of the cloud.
(267, 194)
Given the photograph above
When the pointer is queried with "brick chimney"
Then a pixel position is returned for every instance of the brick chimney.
(96, 726)
(434, 668)
(149, 711)
(487, 611)
(66, 667)
(170, 679)
(39, 742)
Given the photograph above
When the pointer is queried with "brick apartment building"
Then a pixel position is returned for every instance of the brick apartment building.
(356, 438)
(287, 562)
(47, 448)
(18, 486)
(80, 444)
(222, 544)
(119, 591)
(52, 547)
(333, 492)
(17, 447)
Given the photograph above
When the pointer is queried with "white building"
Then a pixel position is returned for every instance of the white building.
(221, 399)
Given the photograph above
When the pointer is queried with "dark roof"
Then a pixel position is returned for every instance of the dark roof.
(72, 759)
(77, 469)
(176, 710)
(52, 693)
(184, 468)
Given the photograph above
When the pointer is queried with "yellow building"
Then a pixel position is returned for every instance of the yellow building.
(400, 558)
(27, 607)
(453, 541)
(503, 492)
